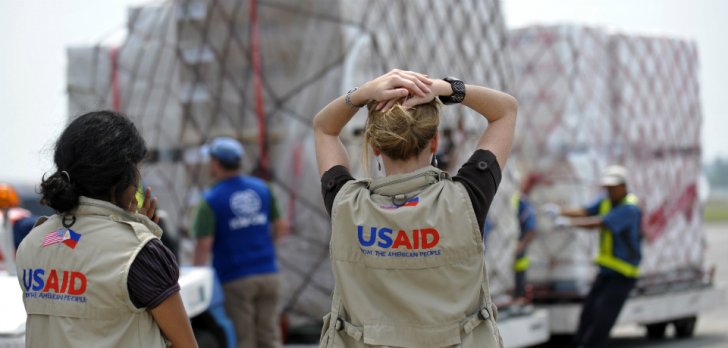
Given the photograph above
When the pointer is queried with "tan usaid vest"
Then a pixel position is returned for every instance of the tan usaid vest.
(407, 258)
(75, 291)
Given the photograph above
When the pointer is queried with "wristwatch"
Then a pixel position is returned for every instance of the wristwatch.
(458, 91)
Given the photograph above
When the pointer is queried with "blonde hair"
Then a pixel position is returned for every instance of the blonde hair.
(400, 133)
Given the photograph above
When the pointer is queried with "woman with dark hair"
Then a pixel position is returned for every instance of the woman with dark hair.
(96, 273)
(407, 248)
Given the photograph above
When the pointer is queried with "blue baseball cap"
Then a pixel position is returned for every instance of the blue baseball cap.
(226, 150)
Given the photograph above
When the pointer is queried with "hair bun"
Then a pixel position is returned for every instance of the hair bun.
(402, 133)
(58, 192)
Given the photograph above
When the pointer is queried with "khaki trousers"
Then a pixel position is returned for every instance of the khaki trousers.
(252, 305)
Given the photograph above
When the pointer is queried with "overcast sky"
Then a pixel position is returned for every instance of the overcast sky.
(35, 33)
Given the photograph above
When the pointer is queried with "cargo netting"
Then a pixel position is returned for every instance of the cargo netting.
(191, 70)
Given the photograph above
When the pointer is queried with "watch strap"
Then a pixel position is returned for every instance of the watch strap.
(458, 91)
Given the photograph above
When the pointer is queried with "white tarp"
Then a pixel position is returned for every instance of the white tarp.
(589, 98)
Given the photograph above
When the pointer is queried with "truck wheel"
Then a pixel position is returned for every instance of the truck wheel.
(685, 327)
(656, 330)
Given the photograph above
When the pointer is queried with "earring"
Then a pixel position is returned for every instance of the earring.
(434, 161)
(379, 165)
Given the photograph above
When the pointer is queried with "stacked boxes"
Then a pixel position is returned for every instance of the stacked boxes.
(187, 72)
(216, 82)
(658, 117)
(588, 99)
(561, 81)
(139, 77)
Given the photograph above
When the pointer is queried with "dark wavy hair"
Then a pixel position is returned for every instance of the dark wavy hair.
(96, 154)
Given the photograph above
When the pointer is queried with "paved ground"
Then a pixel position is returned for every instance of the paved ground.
(712, 330)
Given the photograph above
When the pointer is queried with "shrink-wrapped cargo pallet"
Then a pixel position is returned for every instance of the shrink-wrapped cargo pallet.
(588, 99)
(259, 71)
(561, 81)
(657, 120)
(139, 77)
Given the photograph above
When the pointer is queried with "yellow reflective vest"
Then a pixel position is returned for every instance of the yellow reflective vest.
(522, 263)
(606, 257)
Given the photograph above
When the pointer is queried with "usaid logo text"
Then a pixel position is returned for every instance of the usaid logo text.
(54, 284)
(385, 237)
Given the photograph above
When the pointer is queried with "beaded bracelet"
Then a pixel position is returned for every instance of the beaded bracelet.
(347, 98)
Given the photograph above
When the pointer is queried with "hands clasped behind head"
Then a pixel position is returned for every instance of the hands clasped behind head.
(396, 86)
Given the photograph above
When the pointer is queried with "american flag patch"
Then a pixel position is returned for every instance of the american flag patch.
(54, 237)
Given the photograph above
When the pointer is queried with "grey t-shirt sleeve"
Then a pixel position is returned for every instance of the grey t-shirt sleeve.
(153, 276)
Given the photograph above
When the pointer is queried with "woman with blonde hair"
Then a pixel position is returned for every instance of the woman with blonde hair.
(407, 248)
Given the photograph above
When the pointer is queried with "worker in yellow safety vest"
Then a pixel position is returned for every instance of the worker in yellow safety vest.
(618, 218)
(526, 216)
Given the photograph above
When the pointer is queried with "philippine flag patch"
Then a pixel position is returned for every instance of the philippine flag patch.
(412, 202)
(62, 235)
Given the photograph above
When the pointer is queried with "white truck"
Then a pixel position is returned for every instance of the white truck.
(591, 97)
(524, 328)
(562, 269)
(655, 306)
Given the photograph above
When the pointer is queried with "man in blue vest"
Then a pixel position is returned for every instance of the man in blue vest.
(238, 222)
(618, 218)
